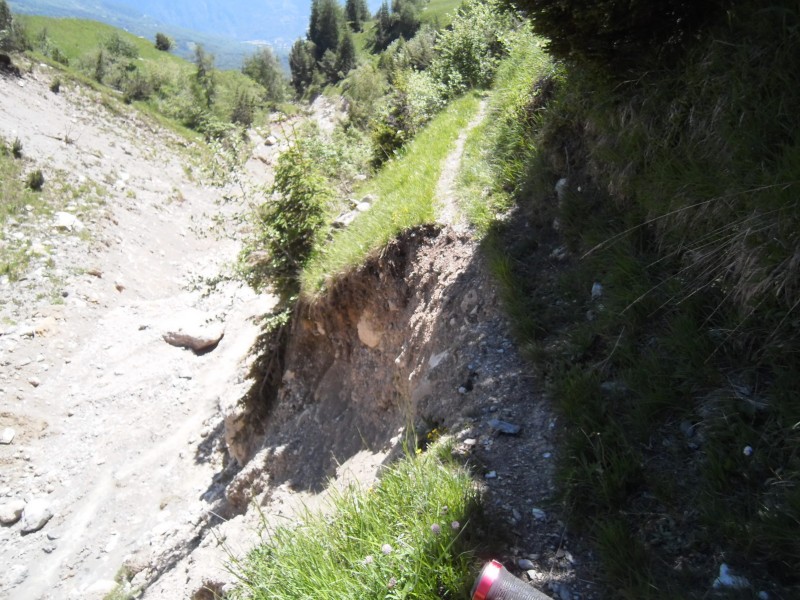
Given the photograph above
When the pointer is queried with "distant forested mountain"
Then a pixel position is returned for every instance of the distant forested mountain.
(275, 21)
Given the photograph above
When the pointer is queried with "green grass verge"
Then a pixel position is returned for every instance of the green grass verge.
(402, 538)
(404, 188)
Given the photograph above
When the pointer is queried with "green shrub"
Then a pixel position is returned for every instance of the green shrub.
(118, 46)
(468, 52)
(36, 180)
(16, 148)
(415, 100)
(163, 42)
(286, 225)
(55, 85)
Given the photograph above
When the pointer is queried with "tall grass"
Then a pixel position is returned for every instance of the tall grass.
(404, 197)
(404, 537)
(679, 383)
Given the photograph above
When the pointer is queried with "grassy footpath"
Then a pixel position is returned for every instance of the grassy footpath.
(404, 537)
(404, 189)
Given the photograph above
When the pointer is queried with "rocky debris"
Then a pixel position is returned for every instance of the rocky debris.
(727, 579)
(65, 221)
(539, 514)
(100, 589)
(504, 427)
(7, 436)
(11, 512)
(345, 219)
(36, 515)
(15, 575)
(198, 339)
(368, 331)
(270, 140)
(597, 290)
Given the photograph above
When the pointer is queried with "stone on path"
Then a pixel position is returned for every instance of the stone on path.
(11, 512)
(7, 436)
(36, 515)
(197, 337)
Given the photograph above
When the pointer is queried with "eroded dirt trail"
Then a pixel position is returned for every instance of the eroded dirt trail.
(115, 430)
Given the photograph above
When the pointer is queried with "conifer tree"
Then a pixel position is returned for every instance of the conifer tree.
(264, 68)
(301, 63)
(346, 57)
(323, 27)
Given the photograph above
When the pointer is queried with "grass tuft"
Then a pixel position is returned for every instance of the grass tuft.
(404, 537)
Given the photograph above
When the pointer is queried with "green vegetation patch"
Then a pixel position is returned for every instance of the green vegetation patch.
(404, 197)
(404, 537)
(650, 269)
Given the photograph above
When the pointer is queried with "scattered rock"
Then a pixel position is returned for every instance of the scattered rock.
(35, 381)
(15, 575)
(539, 514)
(504, 427)
(197, 339)
(345, 219)
(597, 290)
(7, 436)
(270, 140)
(363, 206)
(35, 516)
(11, 512)
(562, 185)
(525, 564)
(727, 579)
(65, 221)
(368, 333)
(101, 589)
(491, 475)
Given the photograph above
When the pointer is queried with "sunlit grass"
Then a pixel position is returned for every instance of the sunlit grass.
(404, 190)
(404, 537)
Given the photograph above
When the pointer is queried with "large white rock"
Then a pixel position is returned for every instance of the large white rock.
(68, 222)
(7, 436)
(36, 515)
(11, 512)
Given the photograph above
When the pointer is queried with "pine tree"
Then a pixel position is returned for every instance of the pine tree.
(301, 63)
(323, 27)
(5, 26)
(383, 27)
(353, 15)
(204, 77)
(346, 57)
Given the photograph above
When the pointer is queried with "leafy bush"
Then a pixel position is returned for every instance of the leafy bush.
(416, 99)
(16, 148)
(12, 33)
(117, 46)
(467, 53)
(263, 67)
(363, 90)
